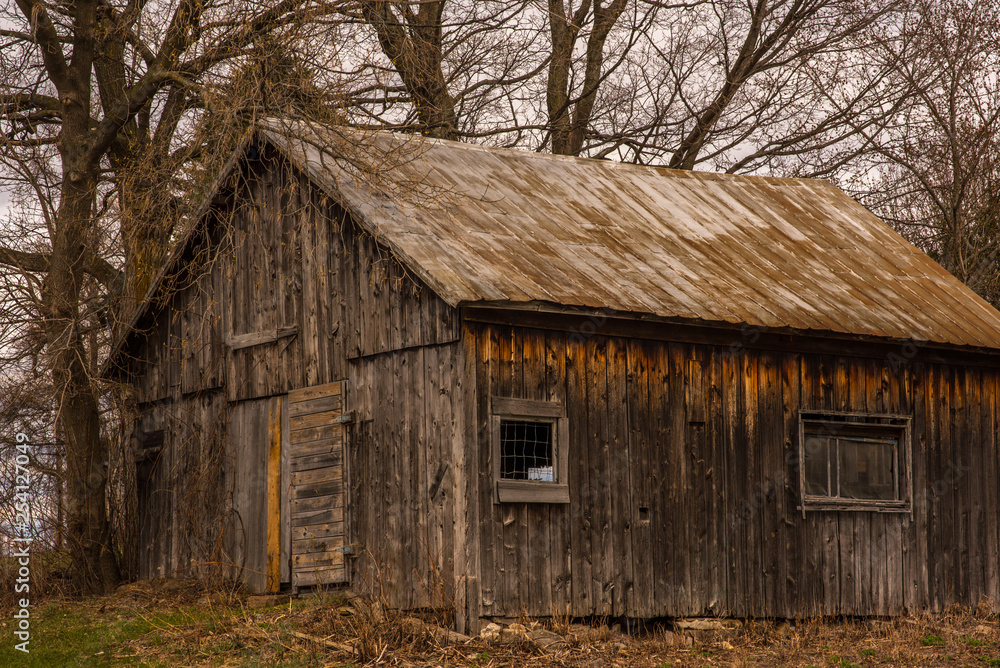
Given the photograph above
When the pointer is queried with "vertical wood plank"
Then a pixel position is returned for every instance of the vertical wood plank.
(847, 395)
(319, 311)
(518, 533)
(337, 263)
(812, 539)
(397, 542)
(794, 583)
(491, 561)
(510, 592)
(619, 473)
(311, 267)
(560, 546)
(732, 401)
(991, 476)
(581, 507)
(961, 436)
(915, 534)
(952, 574)
(598, 479)
(681, 471)
(896, 403)
(716, 463)
(413, 503)
(466, 456)
(927, 492)
(698, 479)
(433, 458)
(829, 521)
(641, 446)
(285, 533)
(751, 481)
(274, 434)
(769, 497)
(542, 571)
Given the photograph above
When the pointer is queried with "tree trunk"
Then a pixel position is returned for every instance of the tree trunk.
(414, 48)
(569, 119)
(95, 568)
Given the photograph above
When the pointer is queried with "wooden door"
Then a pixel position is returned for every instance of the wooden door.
(317, 499)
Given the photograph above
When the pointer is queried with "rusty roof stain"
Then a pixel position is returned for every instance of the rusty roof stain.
(508, 226)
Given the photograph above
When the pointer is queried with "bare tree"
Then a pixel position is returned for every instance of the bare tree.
(412, 40)
(457, 70)
(773, 85)
(933, 170)
(97, 103)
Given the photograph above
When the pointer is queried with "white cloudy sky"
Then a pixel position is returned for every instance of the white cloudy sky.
(4, 201)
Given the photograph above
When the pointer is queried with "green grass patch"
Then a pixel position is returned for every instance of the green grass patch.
(974, 642)
(73, 636)
(62, 635)
(932, 641)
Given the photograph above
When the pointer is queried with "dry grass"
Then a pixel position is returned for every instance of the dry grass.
(176, 623)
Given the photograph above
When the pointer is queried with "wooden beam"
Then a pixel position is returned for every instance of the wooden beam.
(509, 406)
(274, 496)
(313, 406)
(315, 392)
(524, 491)
(240, 341)
(285, 549)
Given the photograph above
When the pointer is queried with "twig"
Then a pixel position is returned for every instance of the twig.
(339, 646)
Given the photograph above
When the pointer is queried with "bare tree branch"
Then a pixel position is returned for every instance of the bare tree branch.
(40, 263)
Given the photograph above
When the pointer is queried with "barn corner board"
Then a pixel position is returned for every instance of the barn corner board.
(503, 383)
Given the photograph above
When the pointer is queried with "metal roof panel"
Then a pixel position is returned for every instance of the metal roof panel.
(496, 225)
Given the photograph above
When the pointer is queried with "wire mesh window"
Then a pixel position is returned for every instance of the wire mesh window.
(526, 450)
(852, 467)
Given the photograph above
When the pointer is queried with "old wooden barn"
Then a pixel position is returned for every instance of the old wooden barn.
(501, 382)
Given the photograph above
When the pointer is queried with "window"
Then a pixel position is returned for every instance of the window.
(529, 440)
(853, 461)
(526, 450)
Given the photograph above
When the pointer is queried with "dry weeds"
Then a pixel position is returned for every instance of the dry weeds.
(186, 626)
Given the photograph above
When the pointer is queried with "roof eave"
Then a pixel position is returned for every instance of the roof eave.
(745, 335)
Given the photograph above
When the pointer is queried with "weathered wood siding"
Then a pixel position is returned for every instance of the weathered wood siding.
(288, 294)
(407, 457)
(246, 496)
(289, 264)
(186, 502)
(706, 441)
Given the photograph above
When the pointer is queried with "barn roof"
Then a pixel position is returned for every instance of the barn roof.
(506, 226)
(512, 228)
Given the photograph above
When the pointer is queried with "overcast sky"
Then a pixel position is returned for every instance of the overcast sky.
(4, 199)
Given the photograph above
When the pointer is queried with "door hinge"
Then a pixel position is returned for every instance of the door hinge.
(346, 418)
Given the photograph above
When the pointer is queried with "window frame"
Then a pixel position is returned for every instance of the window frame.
(506, 490)
(878, 425)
